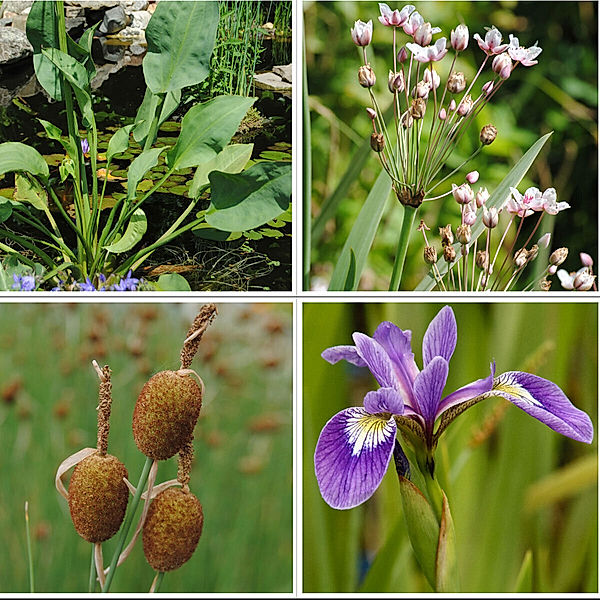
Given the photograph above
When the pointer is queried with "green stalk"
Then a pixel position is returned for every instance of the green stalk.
(407, 224)
(127, 524)
(29, 551)
(92, 580)
(158, 581)
(154, 125)
(307, 165)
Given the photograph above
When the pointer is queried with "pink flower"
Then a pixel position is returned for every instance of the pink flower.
(394, 18)
(470, 215)
(549, 203)
(431, 78)
(463, 194)
(492, 43)
(580, 281)
(429, 53)
(500, 62)
(524, 205)
(490, 217)
(442, 115)
(526, 56)
(482, 196)
(472, 177)
(459, 38)
(586, 259)
(362, 33)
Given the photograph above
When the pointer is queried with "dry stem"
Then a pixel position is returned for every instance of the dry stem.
(190, 346)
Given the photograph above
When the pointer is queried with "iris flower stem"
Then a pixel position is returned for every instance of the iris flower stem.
(407, 224)
(127, 524)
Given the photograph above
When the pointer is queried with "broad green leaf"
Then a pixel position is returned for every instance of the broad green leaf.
(54, 133)
(133, 234)
(119, 142)
(15, 156)
(446, 570)
(206, 129)
(139, 167)
(180, 37)
(524, 583)
(232, 159)
(496, 200)
(247, 200)
(423, 528)
(363, 232)
(172, 282)
(147, 110)
(42, 32)
(5, 210)
(77, 75)
(30, 191)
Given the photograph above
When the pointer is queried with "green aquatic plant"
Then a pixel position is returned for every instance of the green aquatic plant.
(181, 38)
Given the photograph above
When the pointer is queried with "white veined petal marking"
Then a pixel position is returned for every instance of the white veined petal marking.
(367, 431)
(508, 384)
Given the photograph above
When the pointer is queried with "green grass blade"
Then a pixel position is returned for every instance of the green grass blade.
(29, 551)
(307, 173)
(524, 582)
(363, 232)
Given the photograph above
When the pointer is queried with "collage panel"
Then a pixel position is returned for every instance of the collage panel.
(453, 146)
(195, 399)
(146, 146)
(449, 448)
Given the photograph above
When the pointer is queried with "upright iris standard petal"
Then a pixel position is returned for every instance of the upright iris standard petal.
(352, 455)
(377, 360)
(468, 392)
(428, 389)
(384, 400)
(546, 402)
(336, 353)
(440, 337)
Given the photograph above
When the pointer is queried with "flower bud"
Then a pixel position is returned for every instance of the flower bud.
(442, 114)
(470, 216)
(487, 88)
(377, 142)
(490, 217)
(402, 54)
(481, 197)
(430, 255)
(456, 83)
(521, 258)
(464, 108)
(500, 62)
(449, 254)
(463, 194)
(417, 108)
(505, 73)
(472, 177)
(396, 82)
(552, 269)
(372, 114)
(463, 234)
(488, 134)
(431, 78)
(459, 37)
(366, 76)
(446, 235)
(452, 105)
(362, 33)
(586, 259)
(407, 120)
(545, 285)
(584, 280)
(544, 241)
(532, 254)
(559, 256)
(482, 259)
(421, 90)
(423, 35)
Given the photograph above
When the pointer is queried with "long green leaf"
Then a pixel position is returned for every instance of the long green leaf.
(524, 583)
(362, 234)
(147, 110)
(180, 36)
(446, 571)
(16, 157)
(206, 129)
(496, 200)
(246, 200)
(133, 234)
(139, 167)
(232, 159)
(119, 142)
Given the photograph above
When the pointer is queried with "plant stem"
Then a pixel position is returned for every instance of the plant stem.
(407, 224)
(92, 580)
(127, 524)
(155, 587)
(29, 551)
(306, 165)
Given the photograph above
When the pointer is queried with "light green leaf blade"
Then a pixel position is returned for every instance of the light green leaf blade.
(54, 133)
(363, 232)
(496, 200)
(446, 568)
(524, 583)
(17, 157)
(139, 167)
(28, 190)
(206, 129)
(351, 276)
(5, 210)
(232, 159)
(136, 229)
(181, 37)
(247, 200)
(172, 282)
(119, 142)
(147, 110)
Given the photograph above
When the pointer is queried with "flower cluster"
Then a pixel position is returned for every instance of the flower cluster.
(125, 284)
(356, 445)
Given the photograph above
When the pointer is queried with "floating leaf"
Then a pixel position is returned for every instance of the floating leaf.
(272, 155)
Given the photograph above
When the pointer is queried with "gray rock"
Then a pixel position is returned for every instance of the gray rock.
(15, 6)
(135, 5)
(93, 4)
(14, 46)
(273, 82)
(5, 22)
(115, 19)
(140, 19)
(137, 49)
(284, 71)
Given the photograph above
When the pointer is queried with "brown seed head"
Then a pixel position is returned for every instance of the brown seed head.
(430, 255)
(377, 142)
(172, 529)
(449, 253)
(165, 414)
(559, 256)
(446, 235)
(488, 134)
(98, 497)
(418, 108)
(366, 76)
(456, 82)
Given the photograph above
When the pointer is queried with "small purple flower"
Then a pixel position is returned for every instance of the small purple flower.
(356, 445)
(85, 146)
(86, 286)
(23, 283)
(126, 284)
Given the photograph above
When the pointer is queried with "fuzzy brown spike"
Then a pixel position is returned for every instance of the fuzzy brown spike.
(104, 407)
(204, 318)
(184, 466)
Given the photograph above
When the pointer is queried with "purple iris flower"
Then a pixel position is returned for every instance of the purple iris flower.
(356, 445)
(126, 284)
(85, 146)
(23, 283)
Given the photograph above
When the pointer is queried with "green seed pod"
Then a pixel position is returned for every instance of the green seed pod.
(98, 497)
(165, 414)
(172, 529)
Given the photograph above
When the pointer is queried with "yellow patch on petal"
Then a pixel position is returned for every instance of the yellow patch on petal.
(367, 431)
(507, 383)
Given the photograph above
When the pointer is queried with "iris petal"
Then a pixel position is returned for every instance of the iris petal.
(546, 402)
(377, 360)
(336, 353)
(384, 400)
(352, 455)
(440, 337)
(429, 386)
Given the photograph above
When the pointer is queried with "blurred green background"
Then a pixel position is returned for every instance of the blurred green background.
(513, 484)
(559, 94)
(242, 472)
